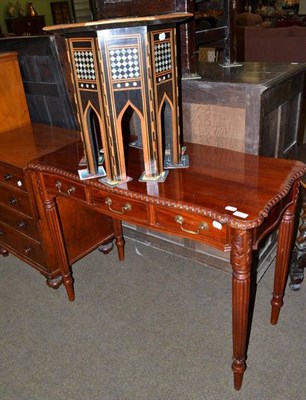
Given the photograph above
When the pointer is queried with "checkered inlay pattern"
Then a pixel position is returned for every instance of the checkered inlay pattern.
(124, 63)
(162, 56)
(84, 63)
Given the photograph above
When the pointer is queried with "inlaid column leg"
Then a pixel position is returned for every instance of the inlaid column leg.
(54, 226)
(284, 243)
(119, 240)
(241, 259)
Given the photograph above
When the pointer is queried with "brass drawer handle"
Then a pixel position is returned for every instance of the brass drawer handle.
(68, 192)
(125, 207)
(203, 226)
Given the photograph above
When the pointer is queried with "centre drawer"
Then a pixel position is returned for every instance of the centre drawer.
(196, 227)
(15, 199)
(125, 208)
(65, 187)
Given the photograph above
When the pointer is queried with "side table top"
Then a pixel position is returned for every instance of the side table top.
(218, 182)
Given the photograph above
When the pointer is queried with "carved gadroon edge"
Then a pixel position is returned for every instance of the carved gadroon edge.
(190, 208)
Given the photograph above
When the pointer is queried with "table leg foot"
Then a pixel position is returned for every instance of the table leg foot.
(106, 248)
(238, 368)
(68, 282)
(119, 240)
(4, 252)
(55, 283)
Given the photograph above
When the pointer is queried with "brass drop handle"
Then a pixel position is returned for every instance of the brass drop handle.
(203, 226)
(68, 192)
(125, 207)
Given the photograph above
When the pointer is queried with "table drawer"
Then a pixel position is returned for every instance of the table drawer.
(12, 177)
(64, 187)
(14, 199)
(26, 247)
(20, 222)
(117, 206)
(193, 226)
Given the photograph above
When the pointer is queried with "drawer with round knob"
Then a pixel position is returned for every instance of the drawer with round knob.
(21, 245)
(21, 222)
(12, 177)
(15, 199)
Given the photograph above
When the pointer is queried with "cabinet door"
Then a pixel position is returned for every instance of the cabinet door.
(60, 12)
(83, 10)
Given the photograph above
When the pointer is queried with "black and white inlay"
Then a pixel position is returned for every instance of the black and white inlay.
(162, 55)
(84, 64)
(124, 63)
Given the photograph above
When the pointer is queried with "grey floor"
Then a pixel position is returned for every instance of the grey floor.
(154, 327)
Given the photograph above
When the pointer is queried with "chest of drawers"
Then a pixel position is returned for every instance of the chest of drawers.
(18, 227)
(26, 25)
(24, 231)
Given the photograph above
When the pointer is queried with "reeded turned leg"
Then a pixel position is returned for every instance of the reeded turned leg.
(282, 261)
(119, 240)
(241, 259)
(54, 225)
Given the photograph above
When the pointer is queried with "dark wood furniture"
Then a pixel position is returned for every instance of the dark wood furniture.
(23, 228)
(298, 259)
(227, 199)
(26, 25)
(42, 61)
(191, 37)
(60, 12)
(254, 108)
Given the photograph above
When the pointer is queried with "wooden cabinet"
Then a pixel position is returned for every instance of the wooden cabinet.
(24, 230)
(60, 12)
(252, 107)
(26, 25)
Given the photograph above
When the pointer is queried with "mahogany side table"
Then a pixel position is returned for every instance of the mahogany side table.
(227, 199)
